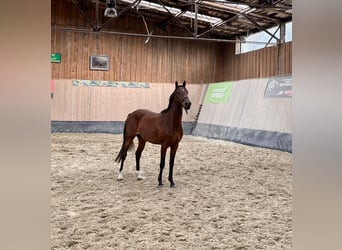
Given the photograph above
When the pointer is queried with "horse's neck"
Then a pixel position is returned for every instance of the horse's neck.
(175, 113)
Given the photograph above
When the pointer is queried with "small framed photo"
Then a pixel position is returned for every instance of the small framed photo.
(99, 62)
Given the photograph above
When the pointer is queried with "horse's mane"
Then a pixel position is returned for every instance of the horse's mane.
(172, 96)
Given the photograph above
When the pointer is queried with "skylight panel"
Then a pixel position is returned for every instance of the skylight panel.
(176, 11)
(201, 17)
(155, 6)
(236, 7)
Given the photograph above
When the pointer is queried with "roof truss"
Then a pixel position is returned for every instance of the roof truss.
(200, 19)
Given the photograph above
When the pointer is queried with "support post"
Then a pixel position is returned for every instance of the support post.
(97, 16)
(196, 26)
(280, 45)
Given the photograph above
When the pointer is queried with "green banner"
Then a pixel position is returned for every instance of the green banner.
(219, 92)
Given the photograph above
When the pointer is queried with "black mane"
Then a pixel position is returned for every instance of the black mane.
(172, 96)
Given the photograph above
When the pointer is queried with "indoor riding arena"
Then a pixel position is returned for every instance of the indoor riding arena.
(230, 150)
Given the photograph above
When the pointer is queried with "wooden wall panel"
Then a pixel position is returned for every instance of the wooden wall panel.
(82, 103)
(160, 60)
(257, 64)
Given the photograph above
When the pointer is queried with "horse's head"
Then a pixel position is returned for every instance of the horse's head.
(181, 95)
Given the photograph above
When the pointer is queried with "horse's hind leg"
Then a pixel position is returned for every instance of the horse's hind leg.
(140, 148)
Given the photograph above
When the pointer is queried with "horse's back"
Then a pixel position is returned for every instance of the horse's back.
(139, 117)
(140, 113)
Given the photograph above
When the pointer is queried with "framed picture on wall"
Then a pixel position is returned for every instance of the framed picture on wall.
(99, 62)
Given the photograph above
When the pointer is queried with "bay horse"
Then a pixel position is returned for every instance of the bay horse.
(164, 128)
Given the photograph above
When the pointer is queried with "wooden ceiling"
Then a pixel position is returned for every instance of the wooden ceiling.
(214, 19)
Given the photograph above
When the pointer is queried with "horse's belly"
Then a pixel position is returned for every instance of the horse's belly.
(160, 137)
(151, 135)
(152, 128)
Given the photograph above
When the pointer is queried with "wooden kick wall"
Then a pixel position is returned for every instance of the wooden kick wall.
(90, 103)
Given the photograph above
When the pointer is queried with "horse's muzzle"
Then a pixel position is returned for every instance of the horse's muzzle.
(187, 105)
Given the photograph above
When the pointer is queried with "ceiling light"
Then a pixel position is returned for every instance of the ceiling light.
(110, 10)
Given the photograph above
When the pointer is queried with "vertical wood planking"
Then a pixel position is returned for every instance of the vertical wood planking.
(162, 60)
(74, 55)
(257, 64)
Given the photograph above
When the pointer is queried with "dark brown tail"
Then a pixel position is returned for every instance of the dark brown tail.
(119, 157)
(122, 152)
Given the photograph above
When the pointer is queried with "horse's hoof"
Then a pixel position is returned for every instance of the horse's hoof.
(172, 185)
(139, 175)
(120, 178)
(160, 185)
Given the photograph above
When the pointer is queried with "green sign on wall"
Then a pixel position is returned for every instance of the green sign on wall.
(56, 57)
(219, 92)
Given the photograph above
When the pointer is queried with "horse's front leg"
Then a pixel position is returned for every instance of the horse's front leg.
(172, 161)
(162, 164)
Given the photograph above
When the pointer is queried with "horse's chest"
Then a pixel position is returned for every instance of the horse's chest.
(177, 137)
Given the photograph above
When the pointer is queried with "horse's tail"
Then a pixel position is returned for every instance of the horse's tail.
(122, 152)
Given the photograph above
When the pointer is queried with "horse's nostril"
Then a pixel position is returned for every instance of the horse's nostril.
(188, 105)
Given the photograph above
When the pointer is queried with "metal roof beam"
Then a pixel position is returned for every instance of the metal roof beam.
(145, 35)
(269, 40)
(260, 27)
(84, 15)
(218, 25)
(176, 17)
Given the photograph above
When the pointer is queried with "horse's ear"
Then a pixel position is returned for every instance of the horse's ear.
(176, 84)
(184, 83)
